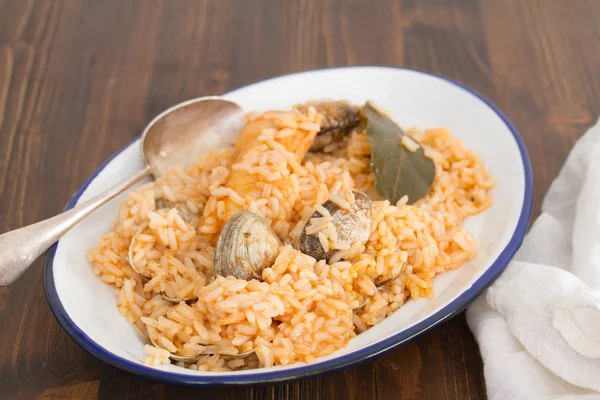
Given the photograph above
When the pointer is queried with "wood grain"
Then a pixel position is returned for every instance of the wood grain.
(81, 78)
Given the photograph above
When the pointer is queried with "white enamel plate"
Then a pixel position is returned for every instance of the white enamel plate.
(86, 307)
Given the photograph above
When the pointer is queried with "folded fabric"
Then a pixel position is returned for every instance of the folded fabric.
(538, 325)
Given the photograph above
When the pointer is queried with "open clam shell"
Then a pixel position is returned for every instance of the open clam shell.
(178, 300)
(187, 216)
(195, 357)
(338, 119)
(147, 277)
(352, 225)
(377, 284)
(144, 275)
(183, 210)
(245, 247)
(131, 257)
(386, 281)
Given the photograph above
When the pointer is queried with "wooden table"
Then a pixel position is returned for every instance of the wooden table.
(81, 78)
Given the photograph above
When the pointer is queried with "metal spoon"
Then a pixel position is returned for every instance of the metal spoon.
(177, 137)
(196, 357)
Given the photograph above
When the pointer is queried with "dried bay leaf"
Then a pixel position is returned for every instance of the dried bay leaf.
(398, 171)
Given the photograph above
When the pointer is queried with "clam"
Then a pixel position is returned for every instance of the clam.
(187, 216)
(387, 280)
(245, 247)
(377, 284)
(352, 225)
(160, 204)
(177, 300)
(148, 277)
(183, 210)
(190, 358)
(130, 255)
(338, 119)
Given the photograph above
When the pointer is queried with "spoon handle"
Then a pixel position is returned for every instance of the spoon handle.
(21, 247)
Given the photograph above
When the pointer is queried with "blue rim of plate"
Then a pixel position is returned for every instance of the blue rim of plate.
(360, 356)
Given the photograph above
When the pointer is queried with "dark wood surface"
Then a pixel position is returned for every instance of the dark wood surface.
(81, 78)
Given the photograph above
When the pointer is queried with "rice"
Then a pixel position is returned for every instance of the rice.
(409, 143)
(302, 309)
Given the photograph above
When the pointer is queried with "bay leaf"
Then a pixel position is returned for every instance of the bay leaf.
(398, 171)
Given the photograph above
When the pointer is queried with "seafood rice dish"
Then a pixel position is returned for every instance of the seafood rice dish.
(314, 226)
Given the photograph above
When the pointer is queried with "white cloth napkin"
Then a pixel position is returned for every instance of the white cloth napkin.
(538, 325)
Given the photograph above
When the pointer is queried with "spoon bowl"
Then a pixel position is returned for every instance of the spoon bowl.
(182, 134)
(175, 138)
